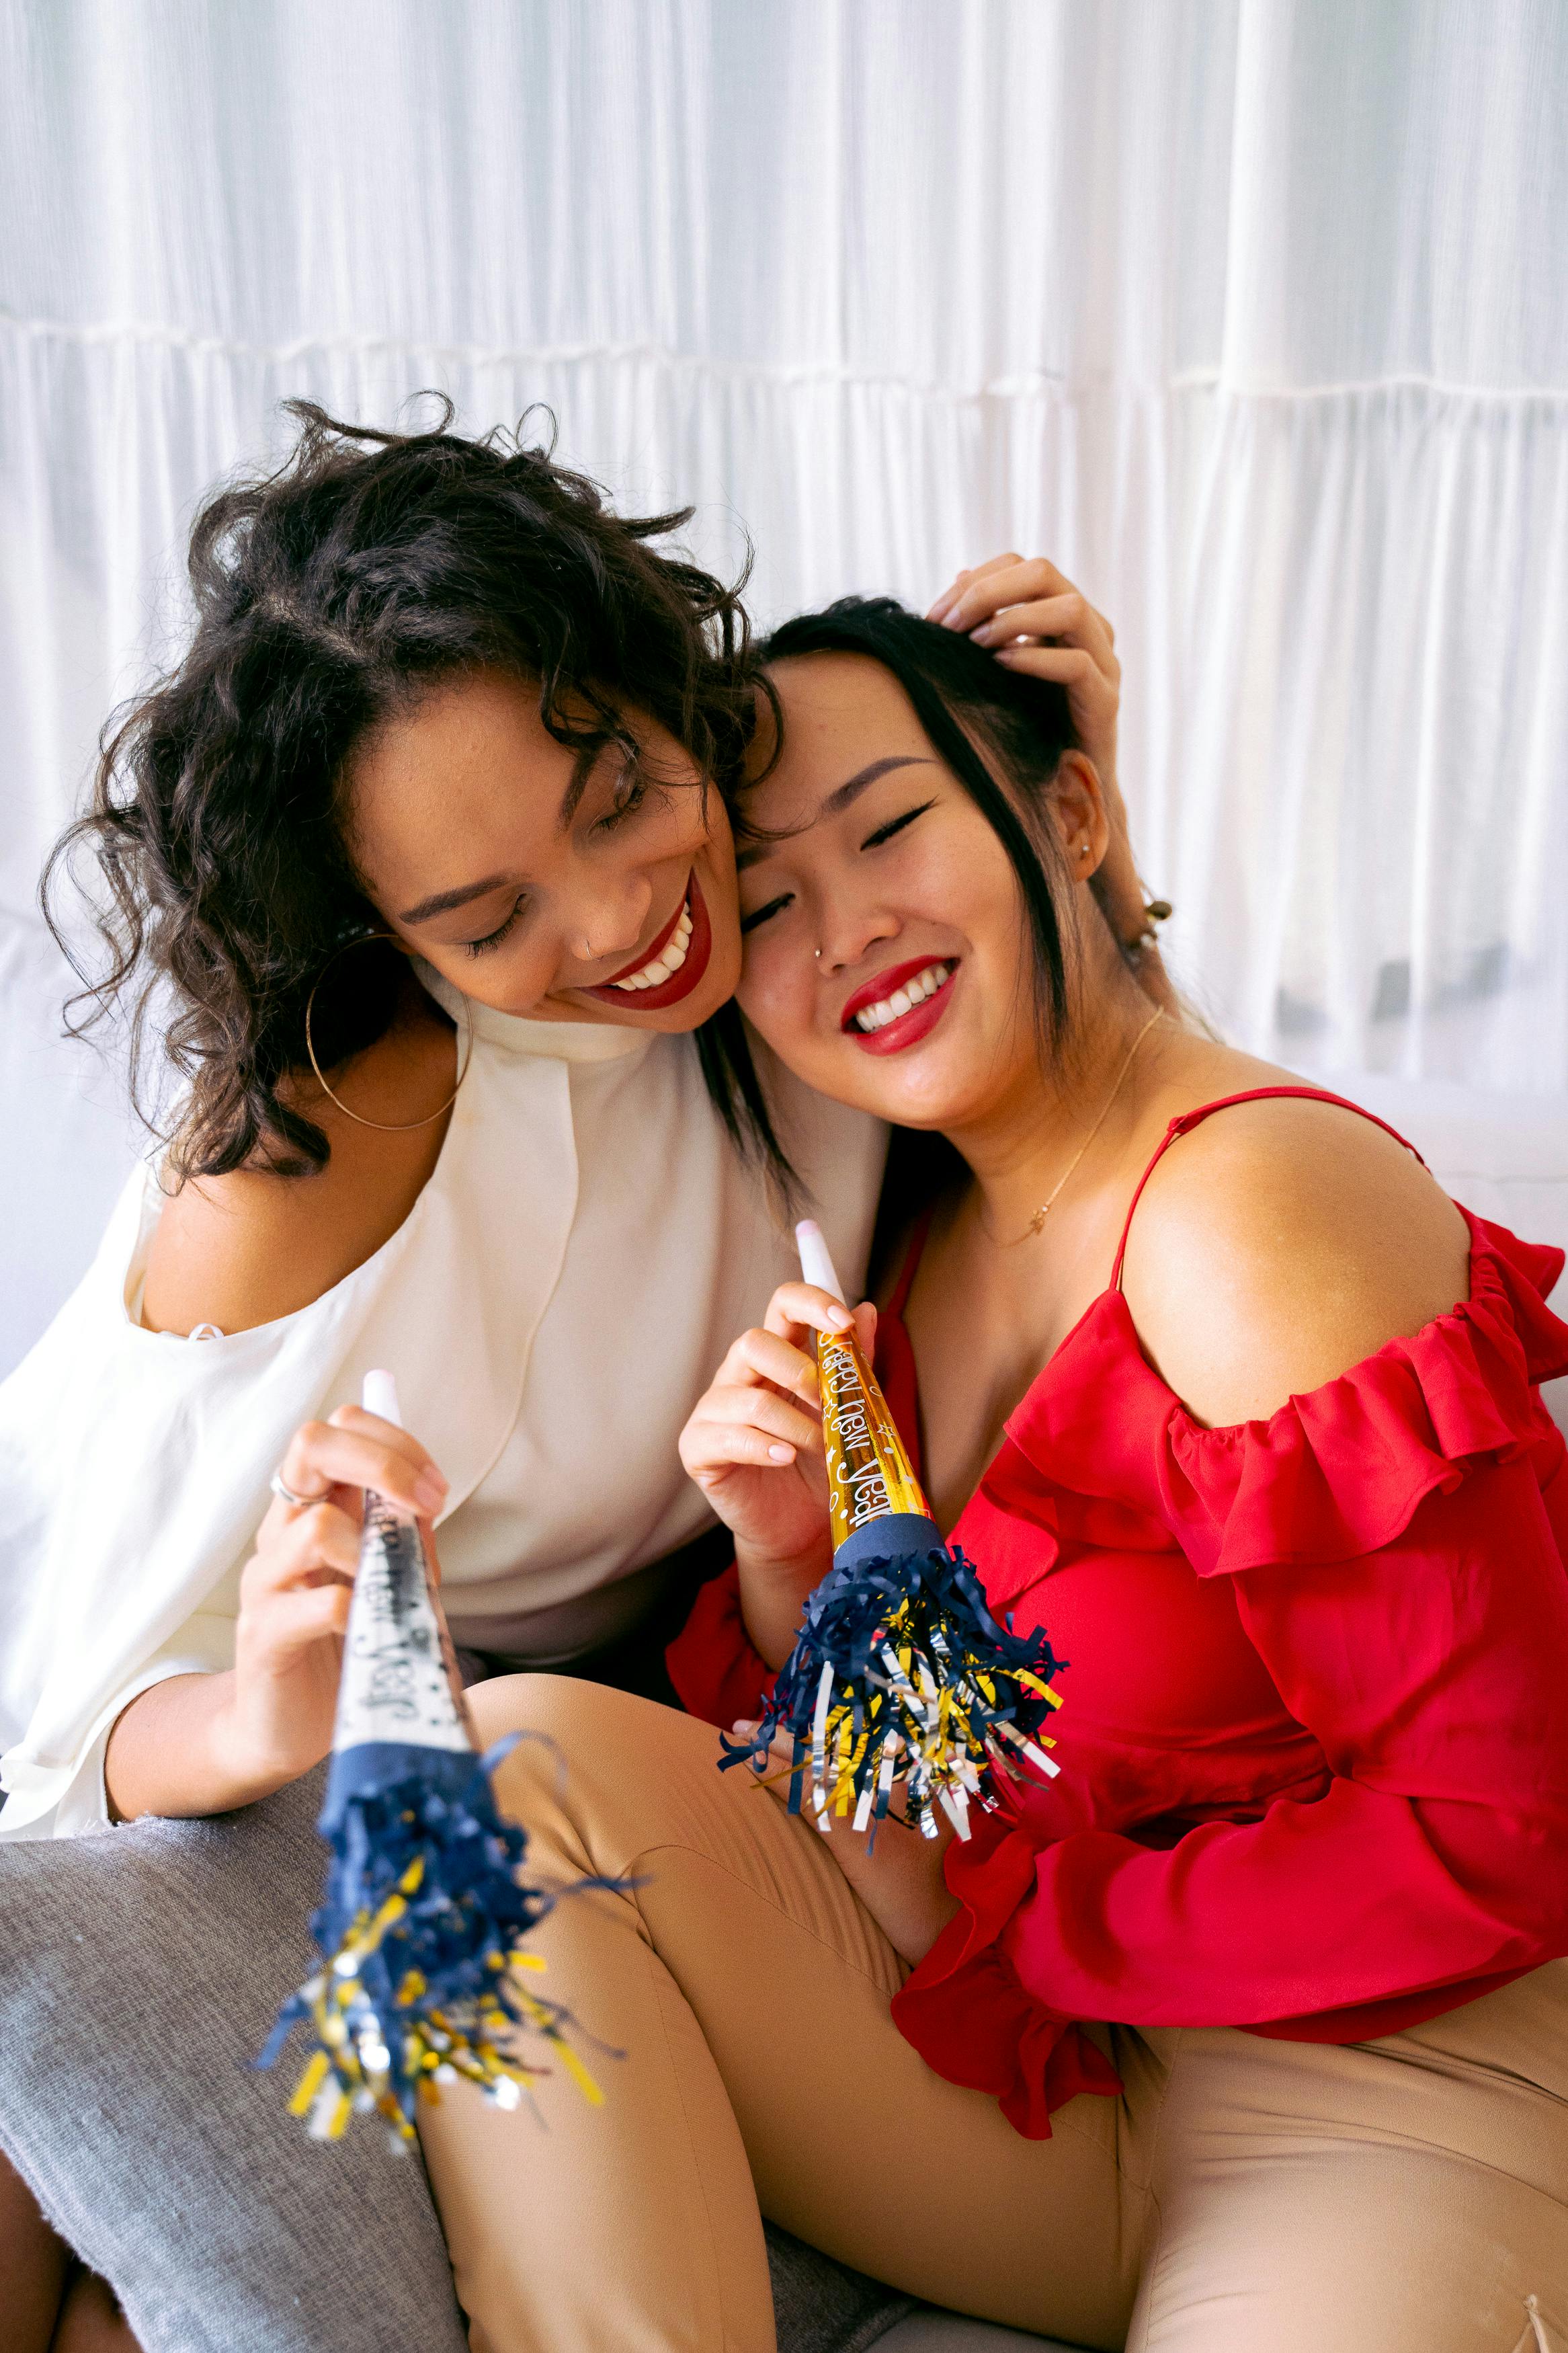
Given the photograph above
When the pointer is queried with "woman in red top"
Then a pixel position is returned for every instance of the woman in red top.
(1251, 2029)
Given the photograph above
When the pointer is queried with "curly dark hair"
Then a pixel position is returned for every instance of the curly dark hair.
(329, 596)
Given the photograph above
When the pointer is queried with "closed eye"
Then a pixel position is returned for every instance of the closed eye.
(773, 907)
(493, 939)
(630, 793)
(895, 825)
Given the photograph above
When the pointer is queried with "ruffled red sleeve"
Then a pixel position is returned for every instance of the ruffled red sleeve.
(966, 2010)
(1395, 1546)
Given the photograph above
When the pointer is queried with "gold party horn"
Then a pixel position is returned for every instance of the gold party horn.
(901, 1682)
(871, 1483)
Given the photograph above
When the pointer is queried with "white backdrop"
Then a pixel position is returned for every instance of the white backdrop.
(1253, 313)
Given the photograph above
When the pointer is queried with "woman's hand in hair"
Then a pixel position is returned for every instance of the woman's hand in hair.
(1034, 620)
(753, 1445)
(1037, 622)
(203, 1743)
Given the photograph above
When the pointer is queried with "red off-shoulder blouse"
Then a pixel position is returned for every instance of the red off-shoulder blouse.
(1314, 1743)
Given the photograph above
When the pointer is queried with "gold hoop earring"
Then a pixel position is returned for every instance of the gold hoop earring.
(384, 1127)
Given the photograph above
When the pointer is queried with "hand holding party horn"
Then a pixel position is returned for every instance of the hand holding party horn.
(899, 1675)
(425, 1906)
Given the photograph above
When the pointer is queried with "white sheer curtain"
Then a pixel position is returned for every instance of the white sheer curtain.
(1253, 313)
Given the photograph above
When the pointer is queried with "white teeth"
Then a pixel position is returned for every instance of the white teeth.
(902, 1000)
(669, 961)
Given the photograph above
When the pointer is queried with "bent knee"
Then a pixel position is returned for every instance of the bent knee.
(596, 1768)
(577, 1737)
(505, 1703)
(552, 1708)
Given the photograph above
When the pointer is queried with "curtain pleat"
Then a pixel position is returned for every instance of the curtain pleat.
(1250, 312)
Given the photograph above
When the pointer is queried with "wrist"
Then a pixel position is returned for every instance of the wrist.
(774, 1589)
(250, 1757)
(182, 1748)
(796, 1572)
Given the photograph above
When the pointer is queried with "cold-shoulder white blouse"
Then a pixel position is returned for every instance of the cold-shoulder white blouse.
(562, 1292)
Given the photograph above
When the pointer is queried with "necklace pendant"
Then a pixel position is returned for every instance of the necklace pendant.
(1038, 1220)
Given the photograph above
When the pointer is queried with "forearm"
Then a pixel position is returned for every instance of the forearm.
(1356, 1898)
(898, 1878)
(774, 1596)
(177, 1750)
(1430, 1671)
(203, 1743)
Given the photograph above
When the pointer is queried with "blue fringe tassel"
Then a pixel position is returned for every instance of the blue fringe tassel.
(425, 1914)
(900, 1673)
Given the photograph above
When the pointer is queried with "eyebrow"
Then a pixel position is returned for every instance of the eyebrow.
(588, 755)
(441, 903)
(843, 796)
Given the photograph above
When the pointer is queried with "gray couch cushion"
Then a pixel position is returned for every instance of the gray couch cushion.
(141, 1973)
(143, 1970)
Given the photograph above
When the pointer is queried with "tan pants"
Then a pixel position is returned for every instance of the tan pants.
(1244, 2195)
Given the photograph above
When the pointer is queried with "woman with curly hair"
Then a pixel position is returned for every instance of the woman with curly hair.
(419, 865)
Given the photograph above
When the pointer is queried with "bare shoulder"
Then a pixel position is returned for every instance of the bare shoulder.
(1279, 1244)
(245, 1248)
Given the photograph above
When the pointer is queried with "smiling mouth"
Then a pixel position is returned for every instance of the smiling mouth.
(671, 969)
(901, 1007)
(884, 1010)
(670, 954)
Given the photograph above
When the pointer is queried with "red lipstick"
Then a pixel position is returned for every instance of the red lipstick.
(908, 1028)
(679, 984)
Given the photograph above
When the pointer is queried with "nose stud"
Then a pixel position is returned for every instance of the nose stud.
(817, 954)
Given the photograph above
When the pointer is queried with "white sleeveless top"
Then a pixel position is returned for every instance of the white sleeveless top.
(562, 1292)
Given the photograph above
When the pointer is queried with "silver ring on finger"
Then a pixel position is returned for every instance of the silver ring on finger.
(280, 1487)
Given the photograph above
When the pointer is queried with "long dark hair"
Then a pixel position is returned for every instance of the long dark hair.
(1003, 734)
(330, 595)
(1001, 731)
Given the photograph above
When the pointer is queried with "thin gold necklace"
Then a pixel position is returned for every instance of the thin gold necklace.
(1038, 1220)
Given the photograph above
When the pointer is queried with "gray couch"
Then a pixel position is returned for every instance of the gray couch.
(143, 1971)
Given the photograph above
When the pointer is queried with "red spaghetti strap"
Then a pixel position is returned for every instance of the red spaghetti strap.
(1191, 1119)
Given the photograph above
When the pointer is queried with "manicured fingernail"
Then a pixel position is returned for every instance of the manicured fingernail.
(781, 1454)
(431, 1490)
(840, 1318)
(984, 635)
(743, 1725)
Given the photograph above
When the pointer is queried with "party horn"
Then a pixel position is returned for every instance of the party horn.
(900, 1677)
(425, 1906)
